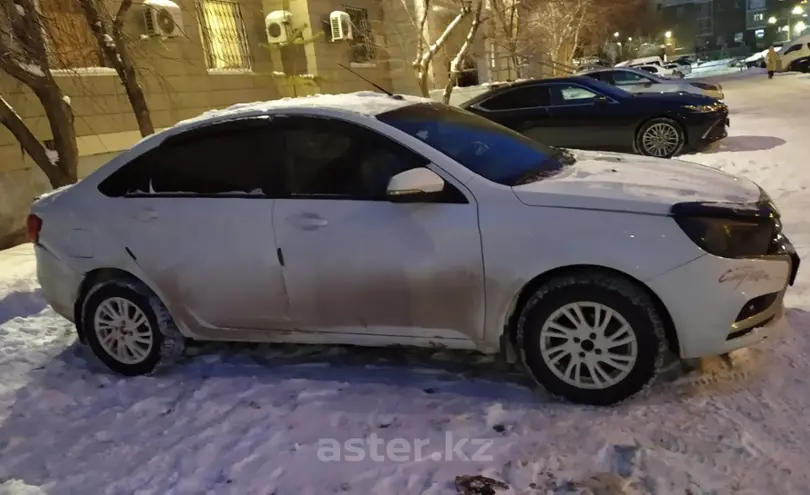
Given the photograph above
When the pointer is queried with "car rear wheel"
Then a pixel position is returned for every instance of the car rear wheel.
(591, 338)
(128, 328)
(661, 138)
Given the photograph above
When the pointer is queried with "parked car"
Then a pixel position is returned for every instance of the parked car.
(758, 59)
(795, 55)
(667, 71)
(682, 68)
(379, 220)
(636, 81)
(581, 112)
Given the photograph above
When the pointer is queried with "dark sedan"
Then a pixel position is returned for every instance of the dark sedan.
(580, 112)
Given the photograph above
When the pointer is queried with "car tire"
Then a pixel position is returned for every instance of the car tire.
(129, 329)
(668, 135)
(632, 328)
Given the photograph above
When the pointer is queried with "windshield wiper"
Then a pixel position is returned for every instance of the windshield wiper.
(561, 155)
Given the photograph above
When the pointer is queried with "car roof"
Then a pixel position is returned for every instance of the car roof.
(366, 103)
(502, 88)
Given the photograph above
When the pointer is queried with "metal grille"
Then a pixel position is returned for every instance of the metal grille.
(224, 36)
(362, 49)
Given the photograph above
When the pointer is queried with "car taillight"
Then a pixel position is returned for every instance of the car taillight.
(34, 224)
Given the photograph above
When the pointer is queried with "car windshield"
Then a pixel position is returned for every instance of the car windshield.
(490, 150)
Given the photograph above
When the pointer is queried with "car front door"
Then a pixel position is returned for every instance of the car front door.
(357, 263)
(582, 117)
(633, 82)
(195, 215)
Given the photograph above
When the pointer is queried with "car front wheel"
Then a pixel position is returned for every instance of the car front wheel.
(661, 137)
(591, 338)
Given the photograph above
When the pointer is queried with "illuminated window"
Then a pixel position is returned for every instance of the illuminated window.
(71, 44)
(224, 37)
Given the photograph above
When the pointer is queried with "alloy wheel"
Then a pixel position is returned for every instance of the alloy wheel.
(660, 139)
(588, 345)
(123, 330)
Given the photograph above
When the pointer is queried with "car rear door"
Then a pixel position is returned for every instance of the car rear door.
(523, 109)
(195, 215)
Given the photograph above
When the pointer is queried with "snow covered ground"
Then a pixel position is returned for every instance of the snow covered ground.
(248, 419)
(712, 68)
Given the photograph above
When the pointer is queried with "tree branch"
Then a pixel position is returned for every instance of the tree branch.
(31, 145)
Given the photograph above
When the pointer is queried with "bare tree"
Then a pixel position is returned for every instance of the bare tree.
(426, 52)
(24, 56)
(455, 64)
(112, 42)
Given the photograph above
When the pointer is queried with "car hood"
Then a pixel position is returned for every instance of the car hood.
(635, 184)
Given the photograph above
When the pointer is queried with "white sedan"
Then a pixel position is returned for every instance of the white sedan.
(639, 81)
(379, 220)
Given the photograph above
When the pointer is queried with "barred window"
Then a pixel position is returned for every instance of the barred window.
(71, 44)
(362, 45)
(224, 36)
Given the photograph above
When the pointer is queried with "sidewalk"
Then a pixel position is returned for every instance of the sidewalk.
(17, 262)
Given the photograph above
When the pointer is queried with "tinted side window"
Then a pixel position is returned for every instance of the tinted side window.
(623, 78)
(335, 159)
(525, 97)
(234, 158)
(570, 94)
(793, 48)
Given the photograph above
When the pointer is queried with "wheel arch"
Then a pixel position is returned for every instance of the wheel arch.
(91, 279)
(509, 335)
(673, 118)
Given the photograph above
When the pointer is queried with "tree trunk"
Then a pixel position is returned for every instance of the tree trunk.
(117, 53)
(425, 57)
(9, 118)
(462, 53)
(60, 119)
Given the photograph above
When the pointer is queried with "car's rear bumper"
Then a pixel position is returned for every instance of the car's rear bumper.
(718, 305)
(60, 285)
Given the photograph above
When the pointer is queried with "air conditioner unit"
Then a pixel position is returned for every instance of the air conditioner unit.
(341, 25)
(277, 26)
(163, 18)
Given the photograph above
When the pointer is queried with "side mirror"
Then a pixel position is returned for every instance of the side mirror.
(647, 84)
(601, 100)
(414, 183)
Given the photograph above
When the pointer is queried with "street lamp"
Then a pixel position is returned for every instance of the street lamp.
(629, 39)
(771, 20)
(668, 35)
(616, 34)
(797, 10)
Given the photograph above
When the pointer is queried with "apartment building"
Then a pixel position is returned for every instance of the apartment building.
(705, 24)
(210, 54)
(770, 21)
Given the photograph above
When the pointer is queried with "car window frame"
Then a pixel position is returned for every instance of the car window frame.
(610, 100)
(641, 76)
(183, 136)
(457, 194)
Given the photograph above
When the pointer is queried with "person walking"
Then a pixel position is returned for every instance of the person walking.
(770, 61)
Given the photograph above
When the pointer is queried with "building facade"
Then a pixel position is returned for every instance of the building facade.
(221, 55)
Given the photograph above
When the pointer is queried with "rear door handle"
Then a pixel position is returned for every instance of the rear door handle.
(309, 221)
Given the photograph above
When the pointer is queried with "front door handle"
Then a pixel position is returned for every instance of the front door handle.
(309, 221)
(146, 215)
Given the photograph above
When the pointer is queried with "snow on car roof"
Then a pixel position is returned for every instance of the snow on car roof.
(368, 103)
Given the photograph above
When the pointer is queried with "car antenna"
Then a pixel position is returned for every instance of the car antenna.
(392, 95)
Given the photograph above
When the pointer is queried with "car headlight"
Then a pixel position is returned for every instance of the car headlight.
(729, 238)
(700, 108)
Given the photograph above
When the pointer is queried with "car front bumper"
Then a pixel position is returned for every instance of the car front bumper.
(703, 129)
(718, 305)
(60, 285)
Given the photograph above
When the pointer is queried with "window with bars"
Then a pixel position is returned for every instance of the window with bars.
(71, 44)
(224, 36)
(361, 47)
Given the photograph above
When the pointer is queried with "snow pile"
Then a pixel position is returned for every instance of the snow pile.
(254, 420)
